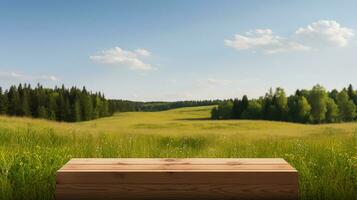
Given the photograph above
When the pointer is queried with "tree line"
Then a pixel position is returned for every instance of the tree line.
(305, 106)
(159, 106)
(60, 104)
(117, 105)
(74, 104)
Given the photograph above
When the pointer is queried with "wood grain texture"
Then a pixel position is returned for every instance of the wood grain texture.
(175, 161)
(175, 167)
(177, 179)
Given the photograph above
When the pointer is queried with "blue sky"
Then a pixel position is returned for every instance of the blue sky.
(178, 50)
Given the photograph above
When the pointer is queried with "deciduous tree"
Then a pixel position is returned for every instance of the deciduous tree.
(318, 102)
(346, 106)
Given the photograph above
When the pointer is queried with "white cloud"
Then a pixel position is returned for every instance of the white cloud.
(122, 58)
(50, 77)
(264, 40)
(26, 77)
(143, 52)
(212, 82)
(325, 32)
(320, 33)
(173, 81)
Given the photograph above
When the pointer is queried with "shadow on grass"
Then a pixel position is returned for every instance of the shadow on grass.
(194, 119)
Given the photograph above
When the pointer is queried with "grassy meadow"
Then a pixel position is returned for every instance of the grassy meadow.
(32, 150)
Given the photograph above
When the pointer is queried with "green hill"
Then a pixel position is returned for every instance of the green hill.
(32, 150)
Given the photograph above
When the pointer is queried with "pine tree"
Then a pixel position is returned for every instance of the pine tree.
(3, 102)
(25, 104)
(268, 105)
(42, 112)
(293, 108)
(87, 106)
(63, 109)
(67, 109)
(351, 92)
(14, 102)
(104, 111)
(235, 110)
(96, 106)
(280, 103)
(76, 110)
(245, 102)
(52, 106)
(239, 106)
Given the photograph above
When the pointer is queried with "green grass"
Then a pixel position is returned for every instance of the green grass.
(32, 150)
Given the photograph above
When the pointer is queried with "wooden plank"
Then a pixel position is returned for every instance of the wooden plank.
(174, 167)
(177, 177)
(199, 178)
(175, 161)
(176, 191)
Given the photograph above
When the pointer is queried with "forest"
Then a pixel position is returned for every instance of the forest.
(60, 103)
(74, 104)
(125, 105)
(305, 106)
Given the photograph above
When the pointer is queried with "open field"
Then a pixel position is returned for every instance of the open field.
(32, 150)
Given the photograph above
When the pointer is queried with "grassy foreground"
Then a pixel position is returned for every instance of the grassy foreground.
(32, 150)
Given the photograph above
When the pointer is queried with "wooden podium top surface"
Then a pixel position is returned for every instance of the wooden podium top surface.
(177, 165)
